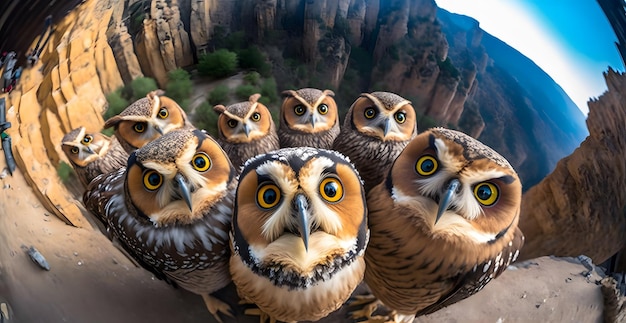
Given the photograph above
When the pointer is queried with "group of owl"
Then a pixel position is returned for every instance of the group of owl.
(297, 217)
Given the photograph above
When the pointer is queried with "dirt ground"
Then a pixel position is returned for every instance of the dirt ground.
(91, 281)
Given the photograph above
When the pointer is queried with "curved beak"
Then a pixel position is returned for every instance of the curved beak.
(303, 219)
(445, 201)
(183, 189)
(89, 150)
(158, 129)
(312, 121)
(386, 125)
(246, 129)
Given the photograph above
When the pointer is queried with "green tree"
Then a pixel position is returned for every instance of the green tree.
(252, 78)
(219, 95)
(243, 92)
(116, 103)
(220, 63)
(179, 86)
(205, 118)
(142, 86)
(252, 58)
(269, 90)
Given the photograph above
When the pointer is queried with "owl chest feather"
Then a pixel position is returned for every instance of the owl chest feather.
(240, 153)
(322, 139)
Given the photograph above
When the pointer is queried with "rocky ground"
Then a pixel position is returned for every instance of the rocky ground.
(91, 281)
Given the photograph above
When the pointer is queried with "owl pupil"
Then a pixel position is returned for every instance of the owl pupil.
(200, 162)
(154, 179)
(427, 166)
(330, 189)
(269, 196)
(483, 192)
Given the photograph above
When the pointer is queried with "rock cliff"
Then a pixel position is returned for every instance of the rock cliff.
(580, 208)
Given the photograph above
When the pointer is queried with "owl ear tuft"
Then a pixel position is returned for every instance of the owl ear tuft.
(328, 92)
(289, 93)
(219, 109)
(254, 97)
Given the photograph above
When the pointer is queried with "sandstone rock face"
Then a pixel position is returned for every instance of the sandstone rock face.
(580, 207)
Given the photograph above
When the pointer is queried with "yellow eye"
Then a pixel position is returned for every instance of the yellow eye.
(322, 109)
(426, 165)
(299, 110)
(256, 116)
(370, 113)
(268, 196)
(232, 123)
(74, 150)
(331, 189)
(163, 113)
(486, 193)
(400, 117)
(87, 140)
(152, 180)
(201, 162)
(140, 127)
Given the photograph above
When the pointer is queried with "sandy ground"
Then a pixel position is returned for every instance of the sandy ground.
(91, 281)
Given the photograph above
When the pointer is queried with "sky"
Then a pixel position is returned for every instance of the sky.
(572, 41)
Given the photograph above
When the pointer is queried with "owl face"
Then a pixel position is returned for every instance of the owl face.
(177, 177)
(384, 115)
(147, 119)
(83, 148)
(299, 208)
(459, 185)
(244, 122)
(309, 110)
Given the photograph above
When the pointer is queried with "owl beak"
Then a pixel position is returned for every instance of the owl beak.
(89, 150)
(183, 189)
(246, 129)
(313, 121)
(303, 219)
(158, 129)
(445, 201)
(386, 125)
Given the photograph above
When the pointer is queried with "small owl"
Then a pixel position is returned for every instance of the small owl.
(171, 209)
(92, 154)
(299, 233)
(308, 118)
(147, 119)
(377, 127)
(246, 129)
(443, 223)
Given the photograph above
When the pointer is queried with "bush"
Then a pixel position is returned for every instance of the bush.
(65, 172)
(205, 118)
(142, 86)
(252, 58)
(179, 86)
(269, 90)
(252, 78)
(219, 95)
(243, 92)
(116, 104)
(220, 63)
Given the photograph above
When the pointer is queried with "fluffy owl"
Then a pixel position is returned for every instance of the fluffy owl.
(377, 127)
(171, 209)
(246, 129)
(299, 232)
(92, 154)
(147, 119)
(443, 223)
(308, 118)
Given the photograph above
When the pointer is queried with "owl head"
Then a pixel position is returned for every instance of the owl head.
(177, 177)
(244, 122)
(309, 110)
(147, 119)
(82, 148)
(383, 115)
(455, 181)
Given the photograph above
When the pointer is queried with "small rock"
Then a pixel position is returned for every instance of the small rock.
(75, 253)
(80, 263)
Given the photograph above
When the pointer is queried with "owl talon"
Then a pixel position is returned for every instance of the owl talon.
(263, 317)
(215, 306)
(369, 305)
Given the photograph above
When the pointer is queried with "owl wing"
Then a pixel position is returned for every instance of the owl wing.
(474, 280)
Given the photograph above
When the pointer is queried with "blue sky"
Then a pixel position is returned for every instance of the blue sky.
(572, 41)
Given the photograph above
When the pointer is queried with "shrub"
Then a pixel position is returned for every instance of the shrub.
(269, 90)
(116, 104)
(243, 92)
(142, 86)
(252, 78)
(205, 118)
(252, 58)
(179, 86)
(218, 64)
(65, 172)
(219, 95)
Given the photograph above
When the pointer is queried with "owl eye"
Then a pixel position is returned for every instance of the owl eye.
(87, 140)
(426, 165)
(256, 116)
(331, 189)
(370, 113)
(152, 180)
(400, 117)
(268, 196)
(486, 193)
(322, 108)
(232, 123)
(139, 127)
(299, 110)
(201, 162)
(163, 113)
(74, 150)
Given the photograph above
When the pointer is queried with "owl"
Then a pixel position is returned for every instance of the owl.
(299, 232)
(246, 129)
(171, 209)
(92, 154)
(147, 119)
(443, 223)
(308, 118)
(377, 127)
